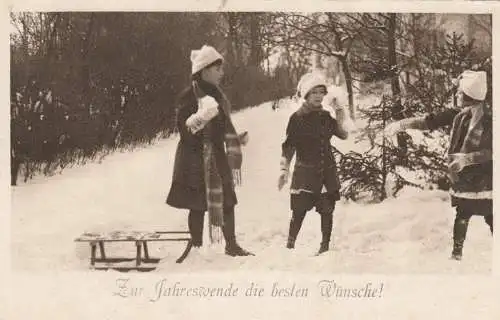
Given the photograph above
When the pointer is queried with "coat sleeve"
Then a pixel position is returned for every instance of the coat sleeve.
(335, 129)
(184, 111)
(289, 146)
(440, 119)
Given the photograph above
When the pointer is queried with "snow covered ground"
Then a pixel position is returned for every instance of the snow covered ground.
(409, 234)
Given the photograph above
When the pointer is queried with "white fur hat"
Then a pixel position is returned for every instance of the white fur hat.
(473, 84)
(310, 81)
(203, 57)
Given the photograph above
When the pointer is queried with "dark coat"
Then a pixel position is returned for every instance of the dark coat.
(188, 183)
(308, 135)
(474, 178)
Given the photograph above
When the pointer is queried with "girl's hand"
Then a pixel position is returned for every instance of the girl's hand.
(282, 180)
(336, 98)
(243, 138)
(195, 123)
(331, 101)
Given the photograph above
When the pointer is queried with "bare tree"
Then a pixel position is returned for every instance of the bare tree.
(482, 22)
(321, 34)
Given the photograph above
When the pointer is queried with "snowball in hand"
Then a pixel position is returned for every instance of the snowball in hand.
(208, 108)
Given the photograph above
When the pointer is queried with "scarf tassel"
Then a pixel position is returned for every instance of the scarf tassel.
(237, 177)
(215, 233)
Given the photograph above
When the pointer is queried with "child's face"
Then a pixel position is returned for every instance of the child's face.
(213, 74)
(316, 95)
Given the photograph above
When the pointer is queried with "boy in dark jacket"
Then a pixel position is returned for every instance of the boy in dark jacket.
(315, 181)
(470, 159)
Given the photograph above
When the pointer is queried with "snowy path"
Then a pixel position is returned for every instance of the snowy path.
(410, 234)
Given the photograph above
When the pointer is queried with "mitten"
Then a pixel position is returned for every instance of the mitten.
(402, 125)
(207, 110)
(285, 169)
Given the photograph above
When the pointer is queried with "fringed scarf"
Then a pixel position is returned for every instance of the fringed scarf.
(213, 179)
(469, 152)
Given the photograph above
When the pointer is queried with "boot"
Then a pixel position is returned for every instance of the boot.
(233, 249)
(294, 228)
(456, 254)
(489, 221)
(195, 224)
(459, 233)
(326, 231)
(324, 247)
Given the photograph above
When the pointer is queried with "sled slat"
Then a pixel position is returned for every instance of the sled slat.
(140, 239)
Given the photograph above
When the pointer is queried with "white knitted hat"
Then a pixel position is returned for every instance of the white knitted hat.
(310, 81)
(203, 57)
(473, 84)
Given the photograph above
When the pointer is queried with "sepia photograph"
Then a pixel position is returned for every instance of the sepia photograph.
(250, 160)
(331, 142)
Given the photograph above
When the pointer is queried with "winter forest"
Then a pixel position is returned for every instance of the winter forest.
(93, 91)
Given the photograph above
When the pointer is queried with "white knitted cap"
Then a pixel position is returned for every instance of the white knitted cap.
(473, 84)
(310, 81)
(203, 57)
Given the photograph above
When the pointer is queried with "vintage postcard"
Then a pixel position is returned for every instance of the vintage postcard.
(259, 160)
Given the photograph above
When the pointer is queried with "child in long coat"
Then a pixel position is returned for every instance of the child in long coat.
(315, 183)
(208, 156)
(470, 160)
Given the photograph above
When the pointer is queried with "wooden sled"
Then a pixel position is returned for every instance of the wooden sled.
(142, 260)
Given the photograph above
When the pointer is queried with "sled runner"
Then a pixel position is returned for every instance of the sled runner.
(143, 262)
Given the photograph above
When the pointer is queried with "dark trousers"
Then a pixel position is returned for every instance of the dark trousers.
(465, 210)
(196, 222)
(325, 205)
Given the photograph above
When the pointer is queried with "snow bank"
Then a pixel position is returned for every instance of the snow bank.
(409, 234)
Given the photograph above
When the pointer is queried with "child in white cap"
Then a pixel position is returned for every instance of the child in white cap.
(208, 157)
(315, 183)
(470, 161)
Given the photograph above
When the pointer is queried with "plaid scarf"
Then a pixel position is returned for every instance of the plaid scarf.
(470, 151)
(213, 180)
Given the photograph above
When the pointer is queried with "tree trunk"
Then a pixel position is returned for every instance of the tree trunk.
(393, 64)
(343, 60)
(348, 84)
(255, 54)
(86, 88)
(318, 63)
(230, 37)
(383, 194)
(397, 108)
